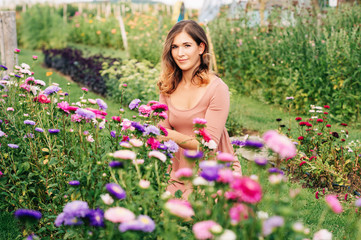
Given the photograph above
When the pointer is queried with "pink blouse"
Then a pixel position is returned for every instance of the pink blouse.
(214, 107)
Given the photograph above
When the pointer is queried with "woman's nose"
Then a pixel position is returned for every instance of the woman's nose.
(180, 51)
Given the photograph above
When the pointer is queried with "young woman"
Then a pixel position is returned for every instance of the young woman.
(191, 91)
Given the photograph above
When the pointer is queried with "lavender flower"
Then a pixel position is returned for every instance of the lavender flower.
(51, 89)
(54, 130)
(3, 67)
(39, 129)
(358, 202)
(253, 144)
(138, 126)
(162, 147)
(209, 170)
(10, 145)
(116, 164)
(29, 135)
(32, 237)
(29, 122)
(2, 133)
(275, 170)
(171, 146)
(71, 213)
(237, 142)
(96, 217)
(85, 113)
(142, 223)
(261, 161)
(102, 105)
(113, 134)
(27, 214)
(271, 223)
(74, 183)
(193, 154)
(134, 104)
(115, 190)
(151, 130)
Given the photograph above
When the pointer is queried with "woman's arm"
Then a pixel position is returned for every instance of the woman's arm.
(184, 141)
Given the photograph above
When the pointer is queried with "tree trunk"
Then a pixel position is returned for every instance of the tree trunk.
(8, 40)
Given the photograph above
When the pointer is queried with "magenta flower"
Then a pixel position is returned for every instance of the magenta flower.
(280, 144)
(316, 195)
(199, 122)
(334, 204)
(159, 107)
(248, 190)
(237, 213)
(202, 229)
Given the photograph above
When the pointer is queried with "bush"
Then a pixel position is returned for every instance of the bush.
(83, 70)
(131, 80)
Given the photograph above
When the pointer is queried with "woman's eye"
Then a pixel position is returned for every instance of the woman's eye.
(188, 45)
(173, 47)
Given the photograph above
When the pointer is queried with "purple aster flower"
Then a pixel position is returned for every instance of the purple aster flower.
(51, 89)
(237, 142)
(29, 135)
(193, 154)
(102, 105)
(18, 76)
(39, 129)
(151, 130)
(271, 223)
(142, 223)
(169, 155)
(66, 94)
(54, 130)
(253, 144)
(138, 126)
(85, 113)
(171, 146)
(209, 170)
(116, 164)
(134, 104)
(162, 147)
(29, 122)
(358, 202)
(113, 134)
(74, 183)
(67, 219)
(72, 213)
(27, 214)
(115, 190)
(32, 237)
(261, 161)
(10, 145)
(96, 217)
(275, 170)
(3, 67)
(2, 133)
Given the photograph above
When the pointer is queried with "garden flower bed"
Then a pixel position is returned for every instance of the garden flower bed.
(84, 175)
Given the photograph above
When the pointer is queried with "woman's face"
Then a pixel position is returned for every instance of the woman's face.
(185, 52)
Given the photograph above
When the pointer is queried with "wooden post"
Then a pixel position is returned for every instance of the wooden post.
(65, 10)
(8, 40)
(211, 51)
(122, 31)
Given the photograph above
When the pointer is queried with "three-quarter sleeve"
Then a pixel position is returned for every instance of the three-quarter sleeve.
(217, 112)
(165, 123)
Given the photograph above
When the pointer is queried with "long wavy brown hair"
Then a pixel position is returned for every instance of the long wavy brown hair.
(171, 74)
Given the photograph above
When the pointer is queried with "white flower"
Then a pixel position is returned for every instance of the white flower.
(199, 181)
(89, 138)
(227, 235)
(166, 195)
(144, 184)
(254, 177)
(298, 227)
(25, 66)
(323, 234)
(102, 124)
(262, 215)
(107, 199)
(276, 178)
(211, 144)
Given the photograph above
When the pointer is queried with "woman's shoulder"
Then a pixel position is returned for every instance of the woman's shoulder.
(217, 82)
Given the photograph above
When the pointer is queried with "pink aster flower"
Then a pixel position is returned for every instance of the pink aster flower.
(200, 121)
(205, 135)
(237, 213)
(280, 144)
(119, 215)
(158, 155)
(64, 106)
(202, 229)
(10, 109)
(163, 115)
(153, 143)
(144, 110)
(84, 89)
(334, 204)
(249, 190)
(136, 142)
(180, 208)
(225, 175)
(159, 107)
(76, 118)
(125, 155)
(184, 173)
(225, 157)
(144, 184)
(116, 118)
